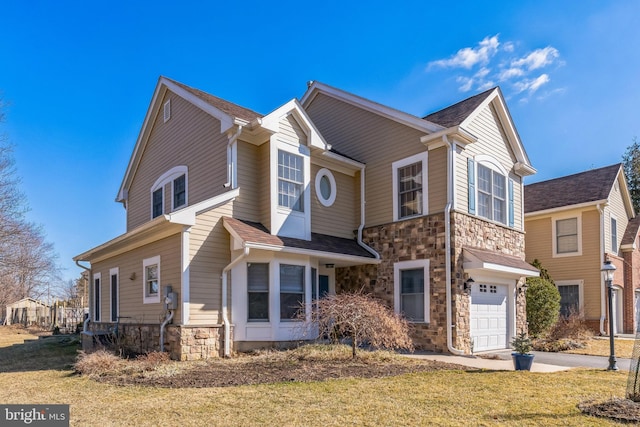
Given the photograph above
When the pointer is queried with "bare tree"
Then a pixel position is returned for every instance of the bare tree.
(362, 319)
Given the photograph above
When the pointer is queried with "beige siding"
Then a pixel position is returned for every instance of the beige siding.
(209, 254)
(337, 219)
(437, 179)
(291, 132)
(371, 139)
(131, 304)
(253, 182)
(539, 245)
(191, 138)
(615, 209)
(491, 141)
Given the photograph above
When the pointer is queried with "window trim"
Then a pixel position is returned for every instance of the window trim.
(400, 266)
(580, 284)
(168, 178)
(395, 166)
(146, 297)
(97, 291)
(301, 199)
(114, 272)
(329, 201)
(554, 237)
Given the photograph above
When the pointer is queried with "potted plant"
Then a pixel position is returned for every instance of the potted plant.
(522, 358)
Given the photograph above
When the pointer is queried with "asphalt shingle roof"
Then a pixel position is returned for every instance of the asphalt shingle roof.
(457, 113)
(230, 108)
(583, 187)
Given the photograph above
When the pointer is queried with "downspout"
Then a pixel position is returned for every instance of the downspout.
(225, 293)
(232, 141)
(85, 324)
(362, 218)
(447, 245)
(164, 324)
(603, 306)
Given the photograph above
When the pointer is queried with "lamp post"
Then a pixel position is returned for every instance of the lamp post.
(608, 270)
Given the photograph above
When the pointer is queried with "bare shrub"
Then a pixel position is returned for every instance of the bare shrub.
(362, 319)
(568, 333)
(98, 363)
(151, 361)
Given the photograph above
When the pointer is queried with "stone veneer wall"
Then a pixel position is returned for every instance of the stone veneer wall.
(182, 342)
(424, 238)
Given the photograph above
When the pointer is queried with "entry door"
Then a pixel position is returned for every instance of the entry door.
(616, 300)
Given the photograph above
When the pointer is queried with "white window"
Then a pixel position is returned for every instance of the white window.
(290, 181)
(113, 275)
(570, 296)
(410, 187)
(258, 291)
(614, 235)
(567, 239)
(178, 178)
(411, 290)
(325, 187)
(291, 290)
(492, 194)
(151, 280)
(97, 278)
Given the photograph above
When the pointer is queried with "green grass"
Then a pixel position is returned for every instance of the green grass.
(450, 398)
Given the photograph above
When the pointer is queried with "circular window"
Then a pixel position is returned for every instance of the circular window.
(325, 187)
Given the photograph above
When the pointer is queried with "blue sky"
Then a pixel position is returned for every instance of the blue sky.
(79, 76)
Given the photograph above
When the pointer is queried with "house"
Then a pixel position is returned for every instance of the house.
(574, 224)
(235, 219)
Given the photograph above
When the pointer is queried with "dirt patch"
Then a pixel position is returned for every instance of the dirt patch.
(624, 410)
(272, 368)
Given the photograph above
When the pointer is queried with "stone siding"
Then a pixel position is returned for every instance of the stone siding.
(424, 238)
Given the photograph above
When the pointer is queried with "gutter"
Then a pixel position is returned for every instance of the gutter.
(603, 306)
(225, 293)
(85, 324)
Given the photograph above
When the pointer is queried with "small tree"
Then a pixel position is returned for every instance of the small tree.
(543, 305)
(631, 166)
(361, 318)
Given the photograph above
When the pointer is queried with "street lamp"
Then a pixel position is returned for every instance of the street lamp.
(608, 270)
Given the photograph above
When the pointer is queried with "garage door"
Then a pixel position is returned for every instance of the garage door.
(489, 317)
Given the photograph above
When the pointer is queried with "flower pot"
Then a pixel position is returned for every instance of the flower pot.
(522, 362)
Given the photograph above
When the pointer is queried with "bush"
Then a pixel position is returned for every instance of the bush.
(98, 363)
(362, 319)
(543, 305)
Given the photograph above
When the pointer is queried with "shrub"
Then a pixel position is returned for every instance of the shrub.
(98, 363)
(572, 327)
(543, 305)
(362, 319)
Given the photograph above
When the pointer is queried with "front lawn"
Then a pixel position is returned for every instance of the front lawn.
(600, 347)
(435, 397)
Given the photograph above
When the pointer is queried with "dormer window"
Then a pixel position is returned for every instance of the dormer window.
(175, 182)
(290, 181)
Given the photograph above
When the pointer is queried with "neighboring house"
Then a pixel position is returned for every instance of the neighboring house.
(248, 216)
(574, 224)
(27, 312)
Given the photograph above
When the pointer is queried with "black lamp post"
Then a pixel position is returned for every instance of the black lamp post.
(608, 270)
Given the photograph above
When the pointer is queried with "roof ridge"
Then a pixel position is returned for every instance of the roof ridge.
(577, 174)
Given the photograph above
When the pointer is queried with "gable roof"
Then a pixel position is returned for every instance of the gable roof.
(630, 234)
(578, 189)
(331, 248)
(455, 114)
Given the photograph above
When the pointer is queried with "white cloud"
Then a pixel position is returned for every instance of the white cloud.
(466, 83)
(537, 59)
(468, 57)
(510, 73)
(532, 85)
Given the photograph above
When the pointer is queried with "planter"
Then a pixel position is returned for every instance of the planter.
(522, 362)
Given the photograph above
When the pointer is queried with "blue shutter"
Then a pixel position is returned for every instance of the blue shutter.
(511, 208)
(471, 175)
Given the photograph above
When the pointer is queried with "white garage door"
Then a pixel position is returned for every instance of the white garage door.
(488, 317)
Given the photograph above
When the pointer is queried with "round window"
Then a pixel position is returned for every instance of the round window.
(325, 187)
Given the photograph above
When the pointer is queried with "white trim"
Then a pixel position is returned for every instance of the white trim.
(332, 182)
(187, 215)
(398, 267)
(186, 274)
(150, 299)
(492, 163)
(166, 110)
(169, 177)
(580, 284)
(554, 241)
(96, 300)
(114, 272)
(420, 157)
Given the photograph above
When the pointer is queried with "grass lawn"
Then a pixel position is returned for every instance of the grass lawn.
(432, 398)
(600, 347)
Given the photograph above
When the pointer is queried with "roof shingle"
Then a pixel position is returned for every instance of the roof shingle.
(457, 113)
(583, 187)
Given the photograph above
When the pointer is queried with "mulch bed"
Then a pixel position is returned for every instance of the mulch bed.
(623, 410)
(251, 372)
